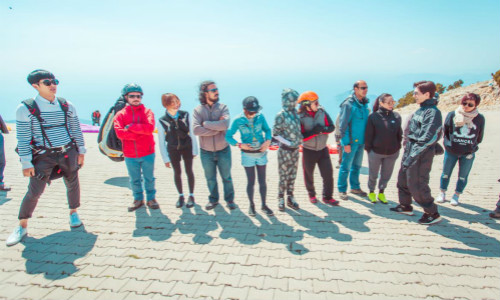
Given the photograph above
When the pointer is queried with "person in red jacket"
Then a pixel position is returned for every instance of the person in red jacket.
(134, 126)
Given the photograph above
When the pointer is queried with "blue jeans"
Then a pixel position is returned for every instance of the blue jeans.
(2, 158)
(145, 166)
(221, 160)
(464, 167)
(350, 166)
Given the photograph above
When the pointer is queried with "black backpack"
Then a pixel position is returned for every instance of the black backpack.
(109, 143)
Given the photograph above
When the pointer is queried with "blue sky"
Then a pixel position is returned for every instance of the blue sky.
(249, 47)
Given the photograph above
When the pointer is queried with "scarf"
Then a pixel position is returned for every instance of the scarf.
(462, 118)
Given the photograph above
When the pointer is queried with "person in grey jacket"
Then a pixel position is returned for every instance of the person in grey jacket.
(210, 123)
(424, 131)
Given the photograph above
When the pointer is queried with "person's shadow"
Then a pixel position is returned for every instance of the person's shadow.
(155, 225)
(483, 245)
(118, 181)
(380, 209)
(199, 224)
(278, 232)
(3, 198)
(345, 216)
(318, 227)
(480, 215)
(55, 255)
(237, 225)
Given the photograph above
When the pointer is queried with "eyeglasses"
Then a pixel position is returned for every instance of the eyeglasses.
(134, 96)
(48, 82)
(213, 90)
(363, 88)
(469, 104)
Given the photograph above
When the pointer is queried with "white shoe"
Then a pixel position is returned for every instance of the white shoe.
(454, 200)
(441, 198)
(74, 220)
(16, 236)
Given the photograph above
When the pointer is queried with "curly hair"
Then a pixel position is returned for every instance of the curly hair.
(203, 90)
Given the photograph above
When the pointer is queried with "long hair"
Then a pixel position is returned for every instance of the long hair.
(203, 90)
(380, 98)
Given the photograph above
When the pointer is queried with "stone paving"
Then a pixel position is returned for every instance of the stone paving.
(355, 251)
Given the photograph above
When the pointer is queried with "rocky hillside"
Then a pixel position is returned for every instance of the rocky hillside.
(448, 101)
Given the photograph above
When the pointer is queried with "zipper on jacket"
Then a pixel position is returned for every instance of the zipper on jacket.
(178, 138)
(135, 144)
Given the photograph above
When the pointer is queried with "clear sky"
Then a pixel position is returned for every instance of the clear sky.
(249, 47)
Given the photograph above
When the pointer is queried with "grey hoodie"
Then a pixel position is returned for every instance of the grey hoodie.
(211, 124)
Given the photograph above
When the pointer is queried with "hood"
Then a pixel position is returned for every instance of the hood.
(289, 99)
(355, 100)
(429, 102)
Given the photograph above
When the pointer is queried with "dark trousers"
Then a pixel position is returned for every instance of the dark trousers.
(261, 175)
(68, 163)
(414, 182)
(310, 159)
(175, 158)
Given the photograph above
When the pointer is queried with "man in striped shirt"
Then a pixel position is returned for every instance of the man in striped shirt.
(50, 144)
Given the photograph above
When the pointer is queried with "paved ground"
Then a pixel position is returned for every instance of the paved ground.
(358, 250)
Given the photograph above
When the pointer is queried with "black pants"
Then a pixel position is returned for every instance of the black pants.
(310, 159)
(68, 163)
(414, 182)
(261, 175)
(175, 159)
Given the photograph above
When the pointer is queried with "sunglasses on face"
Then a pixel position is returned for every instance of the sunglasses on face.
(134, 96)
(48, 82)
(363, 88)
(213, 90)
(468, 104)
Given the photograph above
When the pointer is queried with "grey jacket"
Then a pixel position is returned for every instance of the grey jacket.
(315, 130)
(211, 124)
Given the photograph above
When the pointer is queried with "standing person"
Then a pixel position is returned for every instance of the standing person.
(255, 137)
(316, 125)
(463, 132)
(210, 123)
(424, 131)
(134, 126)
(287, 130)
(353, 117)
(495, 214)
(177, 142)
(383, 138)
(50, 144)
(3, 130)
(96, 118)
(338, 138)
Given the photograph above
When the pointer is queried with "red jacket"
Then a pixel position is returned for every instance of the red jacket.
(134, 126)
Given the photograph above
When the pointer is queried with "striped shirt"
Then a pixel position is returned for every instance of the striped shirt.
(28, 128)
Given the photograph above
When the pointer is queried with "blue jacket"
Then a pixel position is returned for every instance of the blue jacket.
(260, 130)
(352, 120)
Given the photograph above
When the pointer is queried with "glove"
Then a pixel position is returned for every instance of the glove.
(318, 129)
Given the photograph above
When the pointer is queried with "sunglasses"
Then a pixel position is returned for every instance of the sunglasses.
(468, 104)
(134, 96)
(363, 88)
(48, 82)
(213, 90)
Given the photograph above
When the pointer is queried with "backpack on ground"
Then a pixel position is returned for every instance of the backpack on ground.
(109, 143)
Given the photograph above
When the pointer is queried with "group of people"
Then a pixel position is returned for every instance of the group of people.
(51, 145)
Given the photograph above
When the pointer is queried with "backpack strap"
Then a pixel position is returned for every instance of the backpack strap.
(35, 112)
(65, 108)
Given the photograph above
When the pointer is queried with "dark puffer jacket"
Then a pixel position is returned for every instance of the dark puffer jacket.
(383, 132)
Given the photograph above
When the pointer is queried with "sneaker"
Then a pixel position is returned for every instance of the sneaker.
(495, 214)
(343, 196)
(331, 202)
(313, 199)
(441, 198)
(281, 204)
(190, 202)
(231, 205)
(381, 198)
(402, 209)
(429, 219)
(359, 192)
(135, 205)
(4, 187)
(454, 200)
(16, 236)
(74, 220)
(180, 202)
(267, 210)
(290, 202)
(211, 205)
(372, 197)
(251, 210)
(152, 204)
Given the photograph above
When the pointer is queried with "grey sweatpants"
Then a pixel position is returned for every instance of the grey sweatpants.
(383, 164)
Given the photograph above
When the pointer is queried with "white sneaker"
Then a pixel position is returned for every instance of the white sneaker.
(16, 236)
(441, 198)
(454, 200)
(74, 220)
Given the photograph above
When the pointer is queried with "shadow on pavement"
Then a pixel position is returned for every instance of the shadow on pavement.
(480, 215)
(118, 181)
(278, 232)
(199, 224)
(3, 198)
(319, 227)
(55, 254)
(347, 217)
(153, 223)
(237, 225)
(483, 245)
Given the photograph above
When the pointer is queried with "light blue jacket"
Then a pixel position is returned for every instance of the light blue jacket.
(352, 120)
(261, 130)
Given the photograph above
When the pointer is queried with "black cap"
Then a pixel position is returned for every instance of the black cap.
(251, 104)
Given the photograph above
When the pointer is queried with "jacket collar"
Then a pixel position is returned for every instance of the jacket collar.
(135, 108)
(428, 102)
